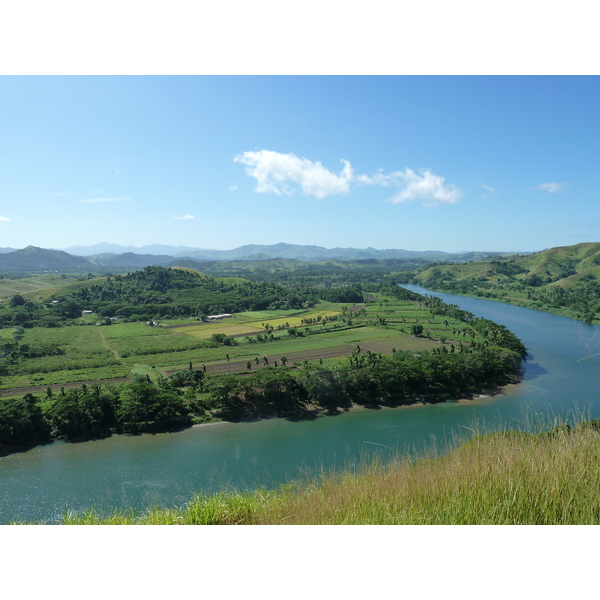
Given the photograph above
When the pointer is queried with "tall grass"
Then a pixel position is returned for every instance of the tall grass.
(505, 478)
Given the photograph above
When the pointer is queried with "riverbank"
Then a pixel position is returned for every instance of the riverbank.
(309, 413)
(476, 399)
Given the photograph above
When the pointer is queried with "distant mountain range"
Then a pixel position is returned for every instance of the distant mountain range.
(107, 257)
(281, 250)
(106, 248)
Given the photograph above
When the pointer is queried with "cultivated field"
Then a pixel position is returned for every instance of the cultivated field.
(93, 353)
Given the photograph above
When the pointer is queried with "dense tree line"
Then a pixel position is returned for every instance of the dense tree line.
(165, 403)
(369, 379)
(91, 412)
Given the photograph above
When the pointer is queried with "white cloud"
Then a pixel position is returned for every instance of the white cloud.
(428, 187)
(4, 219)
(233, 188)
(187, 217)
(115, 199)
(551, 187)
(380, 178)
(487, 187)
(275, 171)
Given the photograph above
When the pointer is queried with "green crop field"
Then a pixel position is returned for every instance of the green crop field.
(132, 330)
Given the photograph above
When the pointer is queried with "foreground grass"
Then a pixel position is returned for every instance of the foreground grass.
(506, 478)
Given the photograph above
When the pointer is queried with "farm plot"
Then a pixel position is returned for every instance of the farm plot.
(295, 321)
(228, 327)
(63, 349)
(410, 343)
(273, 355)
(266, 315)
(243, 324)
(135, 339)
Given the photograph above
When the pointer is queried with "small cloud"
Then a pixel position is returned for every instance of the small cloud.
(186, 218)
(233, 188)
(275, 171)
(380, 178)
(551, 187)
(4, 219)
(114, 199)
(427, 186)
(490, 191)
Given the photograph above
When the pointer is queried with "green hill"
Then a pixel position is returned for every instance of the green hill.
(564, 280)
(150, 293)
(35, 260)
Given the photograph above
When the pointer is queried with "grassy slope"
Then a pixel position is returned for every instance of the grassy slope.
(31, 287)
(497, 479)
(564, 266)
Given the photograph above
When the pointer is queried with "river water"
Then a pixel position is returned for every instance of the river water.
(168, 469)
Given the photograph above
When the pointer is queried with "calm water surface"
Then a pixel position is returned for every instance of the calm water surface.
(167, 469)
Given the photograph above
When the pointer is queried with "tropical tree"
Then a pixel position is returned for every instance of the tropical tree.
(417, 330)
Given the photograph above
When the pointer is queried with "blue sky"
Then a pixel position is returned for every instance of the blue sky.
(446, 163)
